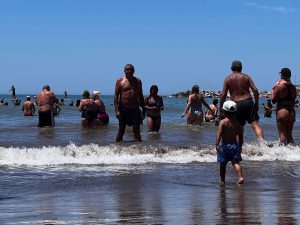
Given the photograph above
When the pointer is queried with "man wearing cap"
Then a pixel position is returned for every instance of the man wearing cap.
(102, 116)
(46, 101)
(239, 84)
(28, 107)
(128, 100)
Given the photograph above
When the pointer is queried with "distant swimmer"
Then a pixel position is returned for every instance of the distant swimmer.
(239, 84)
(230, 132)
(88, 109)
(154, 105)
(284, 94)
(46, 101)
(193, 107)
(66, 94)
(28, 107)
(102, 116)
(128, 102)
(212, 116)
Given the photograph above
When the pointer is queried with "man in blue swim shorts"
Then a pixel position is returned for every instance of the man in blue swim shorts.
(230, 132)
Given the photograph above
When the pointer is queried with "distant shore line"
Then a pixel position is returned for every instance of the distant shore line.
(216, 94)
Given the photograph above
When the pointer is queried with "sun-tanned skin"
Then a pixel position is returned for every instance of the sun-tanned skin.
(230, 131)
(128, 95)
(239, 85)
(284, 94)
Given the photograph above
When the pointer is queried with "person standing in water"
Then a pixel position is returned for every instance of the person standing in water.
(239, 84)
(28, 107)
(193, 107)
(230, 132)
(284, 94)
(153, 105)
(128, 102)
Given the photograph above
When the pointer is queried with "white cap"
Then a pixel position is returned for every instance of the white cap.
(28, 96)
(229, 106)
(96, 92)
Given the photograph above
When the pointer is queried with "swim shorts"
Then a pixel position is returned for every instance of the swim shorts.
(130, 117)
(229, 152)
(46, 118)
(246, 112)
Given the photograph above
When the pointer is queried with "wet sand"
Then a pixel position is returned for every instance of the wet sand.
(151, 194)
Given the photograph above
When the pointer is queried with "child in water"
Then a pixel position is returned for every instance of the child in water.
(230, 132)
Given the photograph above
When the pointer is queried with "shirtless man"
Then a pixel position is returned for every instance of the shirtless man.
(28, 107)
(46, 101)
(128, 99)
(239, 84)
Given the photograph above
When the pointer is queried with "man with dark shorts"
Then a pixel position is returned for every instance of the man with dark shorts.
(239, 84)
(128, 100)
(46, 101)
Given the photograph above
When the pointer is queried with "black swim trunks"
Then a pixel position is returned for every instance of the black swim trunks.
(46, 118)
(130, 117)
(246, 112)
(90, 116)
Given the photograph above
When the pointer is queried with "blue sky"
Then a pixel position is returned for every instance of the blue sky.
(74, 45)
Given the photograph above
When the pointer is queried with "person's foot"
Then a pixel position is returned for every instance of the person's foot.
(222, 183)
(240, 181)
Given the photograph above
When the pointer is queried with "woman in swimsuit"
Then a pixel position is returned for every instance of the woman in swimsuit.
(193, 108)
(102, 116)
(284, 94)
(88, 109)
(153, 105)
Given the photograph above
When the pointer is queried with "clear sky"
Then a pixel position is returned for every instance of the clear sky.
(74, 45)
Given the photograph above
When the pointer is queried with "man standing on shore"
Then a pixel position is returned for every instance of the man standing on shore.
(128, 100)
(239, 84)
(46, 101)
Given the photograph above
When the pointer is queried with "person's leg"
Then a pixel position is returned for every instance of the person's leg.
(190, 118)
(257, 130)
(239, 172)
(157, 124)
(136, 133)
(121, 132)
(150, 124)
(199, 118)
(223, 172)
(282, 121)
(290, 126)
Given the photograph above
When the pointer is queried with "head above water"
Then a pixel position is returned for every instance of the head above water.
(129, 69)
(286, 73)
(153, 88)
(236, 66)
(215, 101)
(229, 106)
(27, 98)
(195, 89)
(86, 94)
(46, 87)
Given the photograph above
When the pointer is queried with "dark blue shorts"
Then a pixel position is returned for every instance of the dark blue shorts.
(130, 117)
(246, 111)
(229, 152)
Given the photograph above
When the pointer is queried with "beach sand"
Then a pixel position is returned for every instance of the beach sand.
(151, 194)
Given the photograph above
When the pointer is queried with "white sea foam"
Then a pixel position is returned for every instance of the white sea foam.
(93, 154)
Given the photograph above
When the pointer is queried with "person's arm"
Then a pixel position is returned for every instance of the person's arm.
(116, 98)
(219, 136)
(141, 97)
(255, 93)
(188, 105)
(161, 103)
(206, 105)
(223, 95)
